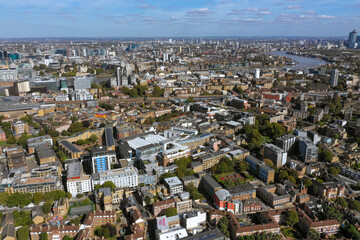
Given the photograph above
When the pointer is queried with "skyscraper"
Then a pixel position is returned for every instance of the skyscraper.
(257, 73)
(352, 39)
(334, 78)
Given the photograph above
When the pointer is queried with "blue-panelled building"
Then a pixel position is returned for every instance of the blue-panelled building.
(101, 159)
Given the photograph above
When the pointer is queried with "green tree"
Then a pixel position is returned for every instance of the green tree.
(313, 234)
(93, 138)
(351, 232)
(307, 182)
(225, 165)
(342, 202)
(334, 171)
(37, 198)
(148, 200)
(190, 100)
(333, 213)
(67, 237)
(242, 165)
(292, 218)
(194, 192)
(223, 226)
(76, 127)
(47, 207)
(4, 196)
(283, 175)
(158, 92)
(23, 233)
(106, 233)
(86, 202)
(325, 156)
(109, 184)
(354, 204)
(166, 175)
(171, 211)
(11, 139)
(44, 236)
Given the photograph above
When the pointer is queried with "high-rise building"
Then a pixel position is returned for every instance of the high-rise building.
(308, 150)
(352, 39)
(277, 155)
(285, 142)
(334, 78)
(257, 73)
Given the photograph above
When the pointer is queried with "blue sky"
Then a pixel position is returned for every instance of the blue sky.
(172, 18)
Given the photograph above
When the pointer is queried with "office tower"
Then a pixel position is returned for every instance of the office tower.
(352, 39)
(334, 78)
(257, 73)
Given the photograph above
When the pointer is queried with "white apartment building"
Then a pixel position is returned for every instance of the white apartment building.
(121, 177)
(77, 182)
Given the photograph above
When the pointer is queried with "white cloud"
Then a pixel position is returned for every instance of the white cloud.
(293, 7)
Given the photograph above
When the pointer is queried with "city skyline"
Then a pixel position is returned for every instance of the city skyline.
(109, 18)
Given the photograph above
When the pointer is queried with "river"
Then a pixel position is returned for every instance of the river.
(301, 62)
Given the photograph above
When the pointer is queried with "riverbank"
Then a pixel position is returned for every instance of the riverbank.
(301, 62)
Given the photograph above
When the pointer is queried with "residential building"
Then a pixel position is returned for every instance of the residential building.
(61, 207)
(285, 142)
(104, 197)
(308, 151)
(213, 234)
(183, 203)
(242, 192)
(101, 159)
(334, 78)
(77, 182)
(19, 127)
(334, 130)
(2, 135)
(25, 183)
(209, 185)
(211, 159)
(193, 220)
(54, 232)
(275, 196)
(69, 149)
(33, 143)
(260, 169)
(251, 205)
(174, 185)
(277, 155)
(45, 154)
(121, 177)
(160, 206)
(172, 151)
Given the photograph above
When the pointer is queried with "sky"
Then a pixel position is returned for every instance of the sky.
(177, 18)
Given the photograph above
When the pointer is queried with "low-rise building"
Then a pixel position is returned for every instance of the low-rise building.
(160, 206)
(260, 169)
(121, 177)
(174, 185)
(61, 207)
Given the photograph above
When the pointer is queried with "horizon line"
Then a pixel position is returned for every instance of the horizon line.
(88, 37)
